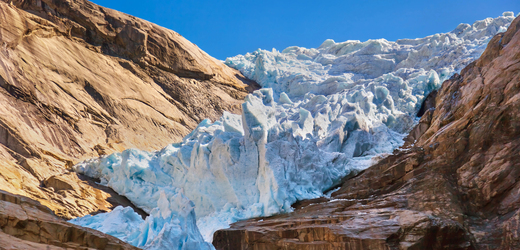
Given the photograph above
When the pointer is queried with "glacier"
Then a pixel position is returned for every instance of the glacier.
(171, 225)
(321, 114)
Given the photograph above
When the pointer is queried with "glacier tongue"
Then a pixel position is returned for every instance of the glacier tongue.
(322, 114)
(171, 225)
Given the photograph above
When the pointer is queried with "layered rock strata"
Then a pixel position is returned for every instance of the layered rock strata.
(454, 186)
(26, 224)
(78, 81)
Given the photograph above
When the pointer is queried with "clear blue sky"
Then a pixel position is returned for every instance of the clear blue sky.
(225, 28)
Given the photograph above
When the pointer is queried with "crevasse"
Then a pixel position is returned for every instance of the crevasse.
(322, 113)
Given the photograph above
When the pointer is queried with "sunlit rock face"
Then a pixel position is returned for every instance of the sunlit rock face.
(79, 81)
(321, 115)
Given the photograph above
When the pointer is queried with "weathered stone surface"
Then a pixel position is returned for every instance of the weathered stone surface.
(26, 224)
(78, 80)
(454, 186)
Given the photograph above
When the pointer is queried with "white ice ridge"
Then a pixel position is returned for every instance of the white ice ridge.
(334, 67)
(322, 113)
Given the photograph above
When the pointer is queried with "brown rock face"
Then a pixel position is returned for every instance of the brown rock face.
(26, 224)
(78, 80)
(455, 187)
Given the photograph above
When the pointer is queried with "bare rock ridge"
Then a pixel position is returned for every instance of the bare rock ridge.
(26, 224)
(454, 186)
(78, 80)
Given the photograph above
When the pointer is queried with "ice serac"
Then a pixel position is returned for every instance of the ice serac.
(78, 81)
(317, 119)
(455, 185)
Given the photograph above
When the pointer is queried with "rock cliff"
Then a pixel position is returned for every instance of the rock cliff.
(26, 224)
(455, 184)
(78, 80)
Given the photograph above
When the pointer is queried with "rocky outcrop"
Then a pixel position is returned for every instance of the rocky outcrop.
(78, 80)
(26, 224)
(454, 186)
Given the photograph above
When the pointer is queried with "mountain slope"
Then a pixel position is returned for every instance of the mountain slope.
(455, 185)
(78, 80)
